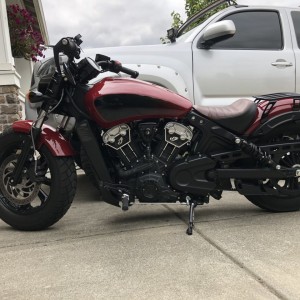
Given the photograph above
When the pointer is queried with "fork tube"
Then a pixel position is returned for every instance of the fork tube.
(27, 147)
(40, 120)
(64, 122)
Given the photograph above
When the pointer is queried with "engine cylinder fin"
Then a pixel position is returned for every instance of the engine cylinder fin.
(176, 136)
(119, 139)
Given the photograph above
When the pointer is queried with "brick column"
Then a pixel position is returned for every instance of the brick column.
(10, 107)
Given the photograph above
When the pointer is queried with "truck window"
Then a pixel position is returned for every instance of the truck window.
(296, 21)
(255, 30)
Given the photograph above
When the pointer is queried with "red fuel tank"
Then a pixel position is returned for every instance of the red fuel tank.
(114, 101)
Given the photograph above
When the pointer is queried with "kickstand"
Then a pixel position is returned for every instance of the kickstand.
(192, 205)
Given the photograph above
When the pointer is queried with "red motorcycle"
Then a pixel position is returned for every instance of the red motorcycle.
(139, 142)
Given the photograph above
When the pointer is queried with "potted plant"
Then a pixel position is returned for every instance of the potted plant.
(25, 40)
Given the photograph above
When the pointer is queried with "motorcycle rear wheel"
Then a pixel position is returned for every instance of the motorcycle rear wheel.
(32, 205)
(275, 203)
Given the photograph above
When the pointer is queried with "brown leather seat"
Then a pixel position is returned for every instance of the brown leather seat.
(238, 116)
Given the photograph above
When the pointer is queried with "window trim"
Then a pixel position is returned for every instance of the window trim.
(291, 12)
(199, 44)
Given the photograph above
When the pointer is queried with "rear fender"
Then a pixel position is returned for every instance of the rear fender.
(271, 124)
(52, 139)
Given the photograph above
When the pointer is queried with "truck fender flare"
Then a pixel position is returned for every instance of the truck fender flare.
(163, 76)
(49, 137)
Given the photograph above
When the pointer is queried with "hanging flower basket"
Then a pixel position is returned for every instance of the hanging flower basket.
(25, 41)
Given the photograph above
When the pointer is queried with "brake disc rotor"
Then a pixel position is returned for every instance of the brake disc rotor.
(24, 192)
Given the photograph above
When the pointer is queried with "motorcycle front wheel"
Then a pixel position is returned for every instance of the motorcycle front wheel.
(44, 193)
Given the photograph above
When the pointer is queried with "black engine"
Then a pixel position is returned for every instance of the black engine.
(145, 153)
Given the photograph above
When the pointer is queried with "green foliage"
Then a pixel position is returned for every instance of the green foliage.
(177, 22)
(193, 6)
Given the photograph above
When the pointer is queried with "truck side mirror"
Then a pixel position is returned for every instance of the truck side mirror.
(217, 32)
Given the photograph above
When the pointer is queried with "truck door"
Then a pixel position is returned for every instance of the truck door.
(258, 59)
(294, 15)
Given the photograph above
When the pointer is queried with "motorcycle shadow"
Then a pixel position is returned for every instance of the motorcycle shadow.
(176, 214)
(86, 191)
(232, 206)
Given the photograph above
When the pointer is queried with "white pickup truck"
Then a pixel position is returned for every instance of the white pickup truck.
(239, 52)
(210, 68)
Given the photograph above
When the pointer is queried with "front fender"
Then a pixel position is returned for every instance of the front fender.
(52, 139)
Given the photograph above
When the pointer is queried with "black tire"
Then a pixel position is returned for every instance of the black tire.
(281, 203)
(275, 203)
(34, 205)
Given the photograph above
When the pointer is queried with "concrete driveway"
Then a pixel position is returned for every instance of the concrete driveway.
(97, 251)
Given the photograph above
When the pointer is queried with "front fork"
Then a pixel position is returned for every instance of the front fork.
(27, 147)
(54, 91)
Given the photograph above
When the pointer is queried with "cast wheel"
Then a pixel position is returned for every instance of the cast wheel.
(45, 191)
(291, 186)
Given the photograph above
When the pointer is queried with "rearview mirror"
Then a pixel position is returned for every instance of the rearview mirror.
(217, 32)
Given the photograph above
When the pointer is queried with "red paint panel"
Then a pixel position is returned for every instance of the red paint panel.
(52, 139)
(281, 107)
(162, 102)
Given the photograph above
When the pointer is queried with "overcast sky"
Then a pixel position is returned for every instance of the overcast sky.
(119, 22)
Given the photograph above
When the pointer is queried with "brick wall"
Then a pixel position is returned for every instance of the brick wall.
(10, 108)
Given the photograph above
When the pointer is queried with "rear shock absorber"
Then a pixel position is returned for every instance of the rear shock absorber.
(256, 152)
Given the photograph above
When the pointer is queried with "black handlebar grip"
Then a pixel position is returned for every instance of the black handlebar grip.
(116, 66)
(132, 73)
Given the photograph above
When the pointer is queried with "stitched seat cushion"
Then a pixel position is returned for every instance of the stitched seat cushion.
(237, 117)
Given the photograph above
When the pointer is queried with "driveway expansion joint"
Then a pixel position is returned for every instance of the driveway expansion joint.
(237, 262)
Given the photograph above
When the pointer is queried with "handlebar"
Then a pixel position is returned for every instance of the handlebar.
(116, 67)
(132, 73)
(69, 46)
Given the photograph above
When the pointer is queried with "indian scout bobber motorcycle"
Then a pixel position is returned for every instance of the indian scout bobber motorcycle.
(142, 143)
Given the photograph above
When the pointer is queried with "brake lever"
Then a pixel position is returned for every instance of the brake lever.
(78, 39)
(47, 46)
(56, 58)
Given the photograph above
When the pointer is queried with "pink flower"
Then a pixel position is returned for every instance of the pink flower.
(25, 40)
